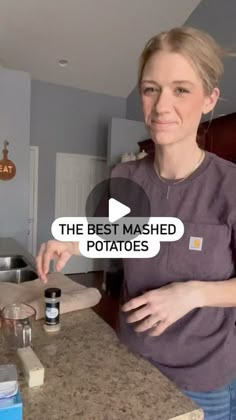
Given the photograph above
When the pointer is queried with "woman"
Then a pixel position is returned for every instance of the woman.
(182, 302)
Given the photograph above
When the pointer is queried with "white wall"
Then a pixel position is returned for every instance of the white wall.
(15, 127)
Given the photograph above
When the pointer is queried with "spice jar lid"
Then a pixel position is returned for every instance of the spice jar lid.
(52, 292)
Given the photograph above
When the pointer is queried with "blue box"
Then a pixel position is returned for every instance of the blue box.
(11, 408)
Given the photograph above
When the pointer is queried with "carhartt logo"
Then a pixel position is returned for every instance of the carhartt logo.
(195, 243)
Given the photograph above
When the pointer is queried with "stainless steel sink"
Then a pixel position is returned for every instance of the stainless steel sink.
(16, 269)
(13, 262)
(17, 276)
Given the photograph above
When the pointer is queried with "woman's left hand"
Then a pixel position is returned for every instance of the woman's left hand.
(160, 308)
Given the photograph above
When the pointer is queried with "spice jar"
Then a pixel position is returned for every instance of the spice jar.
(52, 309)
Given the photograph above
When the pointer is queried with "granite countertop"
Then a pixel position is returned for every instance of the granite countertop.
(90, 375)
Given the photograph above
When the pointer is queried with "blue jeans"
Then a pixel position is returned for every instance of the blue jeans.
(217, 405)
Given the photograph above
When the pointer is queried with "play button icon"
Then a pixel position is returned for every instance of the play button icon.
(117, 210)
(111, 200)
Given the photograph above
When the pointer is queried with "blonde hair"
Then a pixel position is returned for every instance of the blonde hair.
(203, 51)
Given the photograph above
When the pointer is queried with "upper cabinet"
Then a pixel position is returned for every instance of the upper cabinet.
(217, 136)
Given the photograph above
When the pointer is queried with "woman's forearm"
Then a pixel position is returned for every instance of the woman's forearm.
(215, 293)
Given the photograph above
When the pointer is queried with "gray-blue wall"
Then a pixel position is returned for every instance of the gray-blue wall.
(15, 127)
(217, 17)
(134, 110)
(123, 137)
(66, 120)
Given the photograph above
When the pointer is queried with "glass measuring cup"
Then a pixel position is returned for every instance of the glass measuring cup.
(16, 324)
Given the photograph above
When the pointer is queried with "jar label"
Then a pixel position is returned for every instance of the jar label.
(52, 313)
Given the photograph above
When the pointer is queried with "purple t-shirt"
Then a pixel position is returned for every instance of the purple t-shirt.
(197, 352)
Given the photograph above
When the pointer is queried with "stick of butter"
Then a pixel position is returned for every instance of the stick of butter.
(33, 368)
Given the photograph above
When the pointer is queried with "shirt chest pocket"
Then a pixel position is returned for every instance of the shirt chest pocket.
(203, 253)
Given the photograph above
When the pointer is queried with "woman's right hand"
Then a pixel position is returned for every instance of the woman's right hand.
(62, 251)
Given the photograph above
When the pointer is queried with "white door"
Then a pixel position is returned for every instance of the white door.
(76, 175)
(33, 201)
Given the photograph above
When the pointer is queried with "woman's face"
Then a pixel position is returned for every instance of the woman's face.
(173, 99)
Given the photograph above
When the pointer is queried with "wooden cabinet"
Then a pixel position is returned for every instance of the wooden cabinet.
(218, 137)
(146, 145)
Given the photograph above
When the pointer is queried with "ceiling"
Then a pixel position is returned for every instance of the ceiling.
(101, 39)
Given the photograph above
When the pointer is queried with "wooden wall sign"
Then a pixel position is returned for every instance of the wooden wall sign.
(7, 167)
